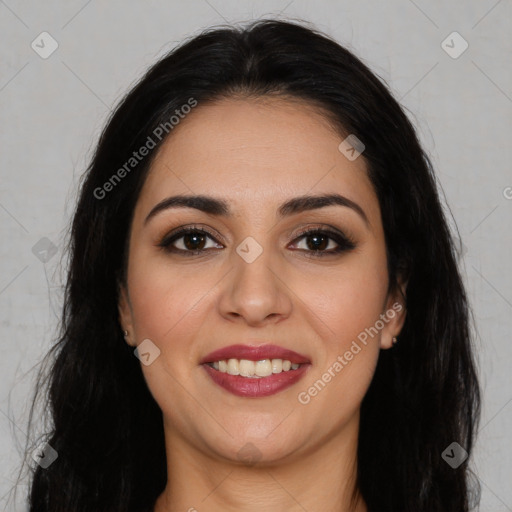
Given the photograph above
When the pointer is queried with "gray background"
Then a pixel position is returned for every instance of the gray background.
(52, 110)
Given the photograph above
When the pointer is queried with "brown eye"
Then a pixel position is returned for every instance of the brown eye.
(193, 241)
(317, 242)
(188, 240)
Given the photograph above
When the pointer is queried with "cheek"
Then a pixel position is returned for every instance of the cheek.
(347, 358)
(165, 296)
(348, 298)
(339, 388)
(349, 302)
(167, 306)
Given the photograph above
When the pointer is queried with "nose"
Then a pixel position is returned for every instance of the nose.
(256, 292)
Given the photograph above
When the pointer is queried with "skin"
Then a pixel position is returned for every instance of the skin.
(256, 154)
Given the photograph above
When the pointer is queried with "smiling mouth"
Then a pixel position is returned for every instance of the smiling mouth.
(244, 381)
(254, 369)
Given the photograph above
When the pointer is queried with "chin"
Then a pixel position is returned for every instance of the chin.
(253, 450)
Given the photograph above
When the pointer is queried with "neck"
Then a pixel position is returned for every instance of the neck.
(324, 479)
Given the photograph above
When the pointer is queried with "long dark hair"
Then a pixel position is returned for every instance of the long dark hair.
(106, 427)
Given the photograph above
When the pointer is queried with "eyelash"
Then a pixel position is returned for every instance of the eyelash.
(344, 242)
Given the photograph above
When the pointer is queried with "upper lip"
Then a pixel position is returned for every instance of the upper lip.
(254, 353)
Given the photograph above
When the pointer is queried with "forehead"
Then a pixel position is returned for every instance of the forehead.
(256, 153)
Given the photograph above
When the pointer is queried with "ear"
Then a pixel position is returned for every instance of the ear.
(393, 314)
(125, 314)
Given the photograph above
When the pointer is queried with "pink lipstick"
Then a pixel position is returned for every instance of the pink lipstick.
(251, 371)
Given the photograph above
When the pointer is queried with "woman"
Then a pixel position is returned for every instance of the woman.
(263, 307)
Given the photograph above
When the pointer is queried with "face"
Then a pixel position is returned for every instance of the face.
(252, 278)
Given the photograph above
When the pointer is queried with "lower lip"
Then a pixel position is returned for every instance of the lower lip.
(256, 387)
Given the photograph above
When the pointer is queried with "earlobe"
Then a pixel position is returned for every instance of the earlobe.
(125, 315)
(395, 314)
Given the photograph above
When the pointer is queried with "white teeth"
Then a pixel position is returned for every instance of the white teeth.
(254, 369)
(263, 368)
(233, 367)
(277, 365)
(246, 367)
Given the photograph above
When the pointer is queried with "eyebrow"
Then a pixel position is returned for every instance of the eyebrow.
(219, 207)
